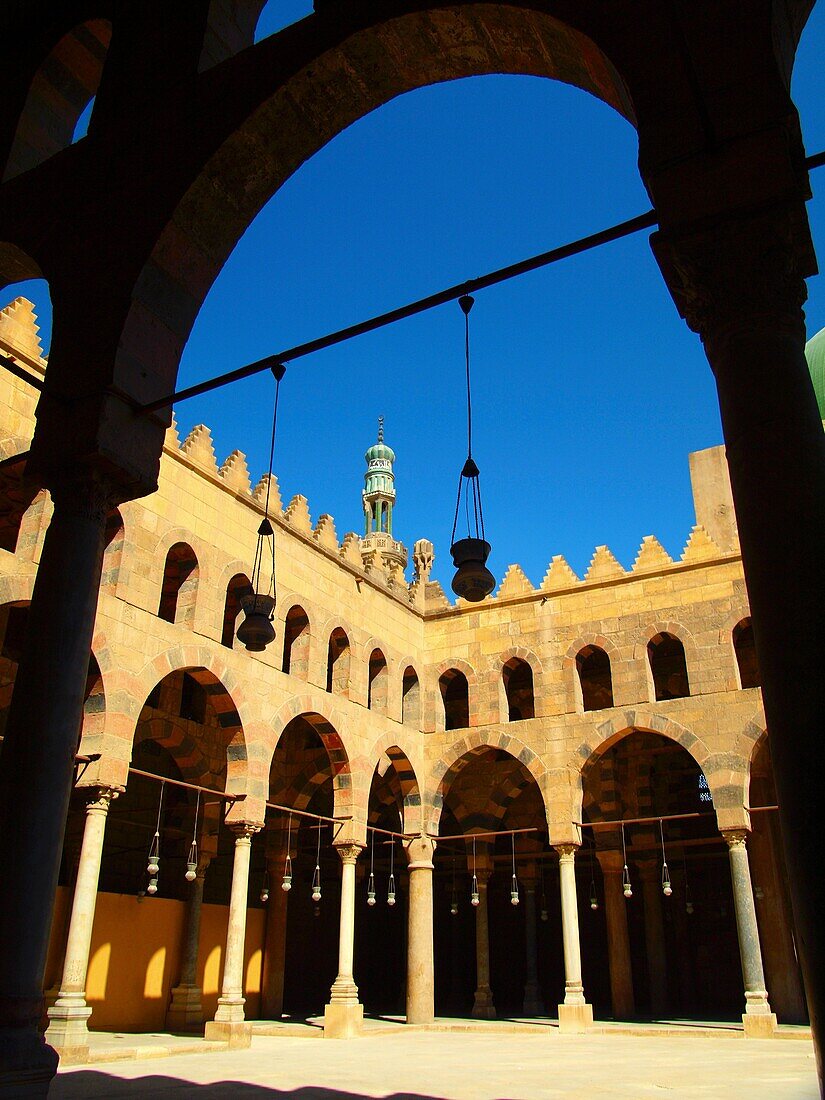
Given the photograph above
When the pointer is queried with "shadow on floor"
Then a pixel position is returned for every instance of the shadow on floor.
(95, 1085)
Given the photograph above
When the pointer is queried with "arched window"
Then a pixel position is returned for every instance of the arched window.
(593, 666)
(455, 693)
(518, 687)
(296, 643)
(378, 681)
(668, 667)
(180, 584)
(237, 588)
(745, 650)
(338, 663)
(410, 698)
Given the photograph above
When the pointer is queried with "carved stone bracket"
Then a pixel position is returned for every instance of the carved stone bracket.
(741, 270)
(349, 852)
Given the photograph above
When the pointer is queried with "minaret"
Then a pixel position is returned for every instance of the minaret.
(379, 500)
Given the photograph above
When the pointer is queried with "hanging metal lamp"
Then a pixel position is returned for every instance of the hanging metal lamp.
(192, 859)
(371, 879)
(667, 888)
(473, 580)
(286, 881)
(256, 631)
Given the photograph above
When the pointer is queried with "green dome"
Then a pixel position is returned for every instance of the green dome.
(380, 452)
(815, 354)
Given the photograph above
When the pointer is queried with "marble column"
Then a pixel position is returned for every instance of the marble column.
(344, 1015)
(185, 1011)
(229, 1023)
(753, 332)
(483, 1007)
(618, 940)
(37, 758)
(420, 950)
(68, 1032)
(759, 1020)
(533, 1002)
(650, 872)
(575, 1015)
(72, 856)
(274, 962)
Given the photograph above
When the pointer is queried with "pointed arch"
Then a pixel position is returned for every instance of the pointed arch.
(339, 660)
(179, 586)
(328, 722)
(297, 641)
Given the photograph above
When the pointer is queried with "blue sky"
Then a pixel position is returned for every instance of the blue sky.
(589, 391)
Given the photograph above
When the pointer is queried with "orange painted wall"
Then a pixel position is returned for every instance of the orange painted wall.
(135, 957)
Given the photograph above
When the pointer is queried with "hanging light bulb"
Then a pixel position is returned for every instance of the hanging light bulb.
(473, 580)
(514, 898)
(627, 889)
(667, 889)
(265, 888)
(152, 888)
(545, 916)
(474, 886)
(371, 890)
(316, 876)
(594, 901)
(454, 896)
(192, 858)
(391, 884)
(286, 881)
(153, 866)
(153, 862)
(258, 605)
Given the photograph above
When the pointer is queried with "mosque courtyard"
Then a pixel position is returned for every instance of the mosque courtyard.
(462, 1065)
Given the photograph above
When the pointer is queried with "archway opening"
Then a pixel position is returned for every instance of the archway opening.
(518, 689)
(378, 685)
(237, 588)
(649, 955)
(595, 678)
(338, 663)
(296, 643)
(668, 667)
(488, 792)
(455, 699)
(180, 585)
(745, 649)
(411, 698)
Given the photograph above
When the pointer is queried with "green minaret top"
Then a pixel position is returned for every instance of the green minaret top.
(379, 485)
(815, 354)
(379, 500)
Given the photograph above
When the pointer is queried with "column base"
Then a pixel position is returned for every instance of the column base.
(29, 1063)
(68, 1031)
(483, 1007)
(237, 1033)
(185, 1011)
(342, 1020)
(759, 1025)
(575, 1019)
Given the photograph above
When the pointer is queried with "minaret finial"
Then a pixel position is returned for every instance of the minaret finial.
(380, 429)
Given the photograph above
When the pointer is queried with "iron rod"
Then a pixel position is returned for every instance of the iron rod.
(480, 836)
(189, 786)
(305, 813)
(638, 820)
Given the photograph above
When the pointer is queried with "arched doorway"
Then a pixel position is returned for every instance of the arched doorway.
(645, 954)
(301, 950)
(493, 957)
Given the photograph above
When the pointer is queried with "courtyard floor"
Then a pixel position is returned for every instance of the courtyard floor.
(460, 1065)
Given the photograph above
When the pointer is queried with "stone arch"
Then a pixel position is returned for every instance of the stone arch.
(328, 720)
(60, 89)
(251, 145)
(683, 635)
(411, 711)
(230, 28)
(498, 666)
(460, 754)
(298, 634)
(235, 590)
(739, 611)
(437, 717)
(572, 683)
(412, 820)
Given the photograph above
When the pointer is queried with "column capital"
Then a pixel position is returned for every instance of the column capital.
(348, 851)
(420, 851)
(567, 852)
(735, 838)
(741, 270)
(88, 493)
(98, 799)
(244, 831)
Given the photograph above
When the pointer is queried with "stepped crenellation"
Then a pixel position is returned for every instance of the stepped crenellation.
(376, 555)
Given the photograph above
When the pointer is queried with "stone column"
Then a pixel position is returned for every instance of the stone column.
(67, 1031)
(759, 1021)
(37, 758)
(420, 950)
(72, 858)
(575, 1014)
(185, 1011)
(650, 874)
(272, 980)
(229, 1023)
(618, 940)
(753, 332)
(344, 1015)
(533, 1002)
(483, 1007)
